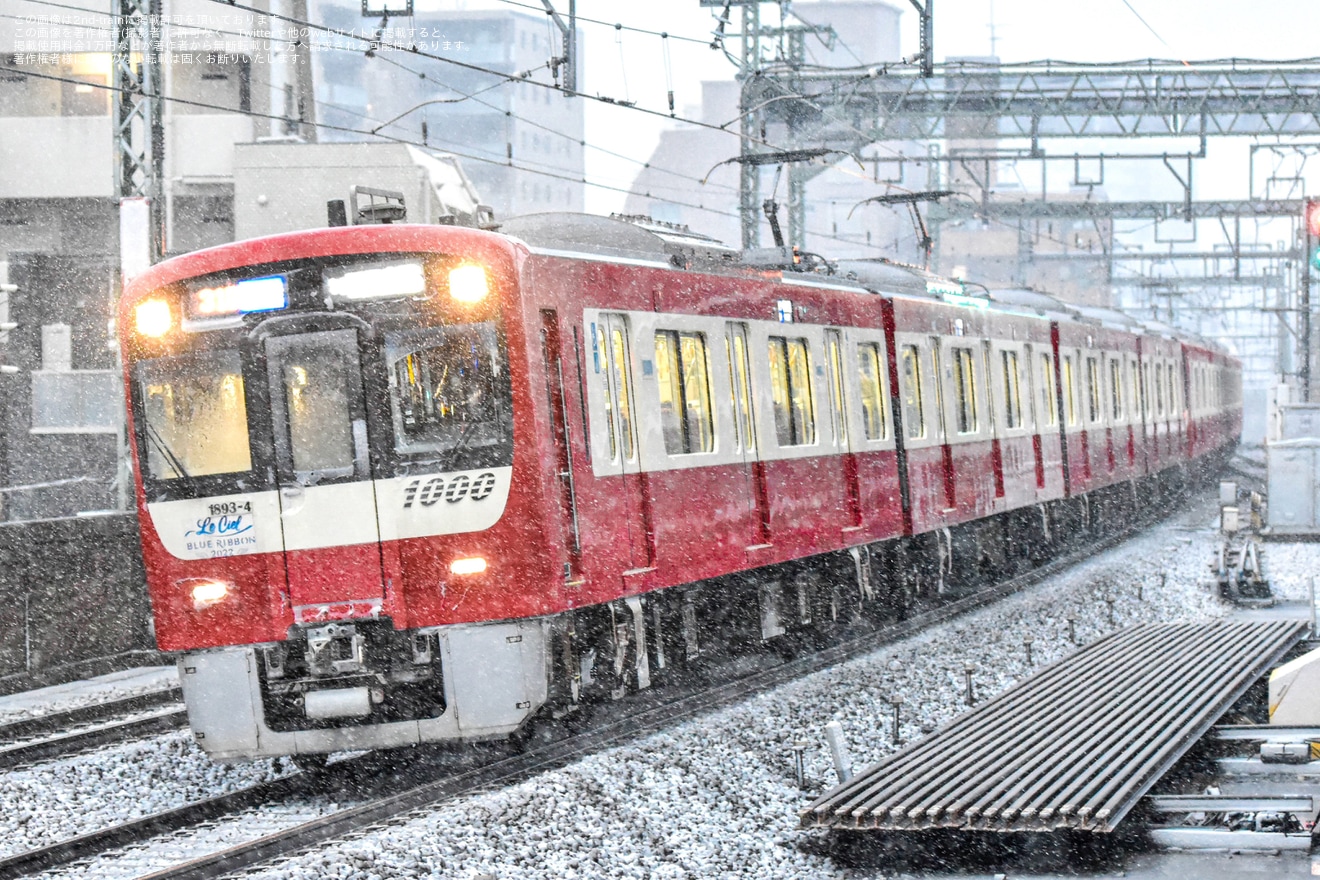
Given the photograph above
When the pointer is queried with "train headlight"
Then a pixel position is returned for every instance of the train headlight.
(378, 281)
(468, 565)
(153, 318)
(205, 592)
(468, 283)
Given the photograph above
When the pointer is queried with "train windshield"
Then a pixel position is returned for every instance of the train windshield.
(450, 395)
(195, 415)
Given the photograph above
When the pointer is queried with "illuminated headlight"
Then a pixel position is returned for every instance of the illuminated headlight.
(206, 593)
(468, 565)
(153, 318)
(381, 281)
(468, 284)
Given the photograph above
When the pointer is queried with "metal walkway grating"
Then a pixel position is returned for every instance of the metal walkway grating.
(1074, 747)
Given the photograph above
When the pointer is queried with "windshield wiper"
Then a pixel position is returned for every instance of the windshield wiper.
(153, 434)
(459, 446)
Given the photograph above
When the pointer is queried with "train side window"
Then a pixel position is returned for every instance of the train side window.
(937, 386)
(1159, 389)
(1173, 394)
(741, 385)
(1047, 398)
(606, 389)
(874, 419)
(1093, 412)
(914, 420)
(1138, 392)
(964, 389)
(1012, 391)
(834, 365)
(194, 415)
(790, 387)
(1069, 390)
(619, 375)
(684, 385)
(1115, 389)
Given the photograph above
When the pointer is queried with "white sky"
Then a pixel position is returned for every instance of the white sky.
(632, 66)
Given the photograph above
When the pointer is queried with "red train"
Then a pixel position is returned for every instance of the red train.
(401, 484)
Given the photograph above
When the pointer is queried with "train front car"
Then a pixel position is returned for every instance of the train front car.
(324, 430)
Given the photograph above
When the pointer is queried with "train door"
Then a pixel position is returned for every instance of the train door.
(323, 469)
(744, 418)
(552, 356)
(613, 363)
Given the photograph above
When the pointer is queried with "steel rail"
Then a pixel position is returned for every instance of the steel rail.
(1075, 747)
(65, 743)
(56, 721)
(97, 842)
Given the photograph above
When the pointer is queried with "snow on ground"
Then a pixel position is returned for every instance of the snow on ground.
(63, 697)
(717, 797)
(49, 802)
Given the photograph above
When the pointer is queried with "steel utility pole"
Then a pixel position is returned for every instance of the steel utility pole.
(139, 105)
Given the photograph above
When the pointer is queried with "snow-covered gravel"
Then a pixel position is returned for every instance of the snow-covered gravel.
(716, 797)
(62, 698)
(46, 803)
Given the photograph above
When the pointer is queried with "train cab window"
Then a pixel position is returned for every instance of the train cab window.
(1069, 390)
(741, 385)
(790, 391)
(1047, 398)
(450, 394)
(317, 402)
(194, 415)
(1115, 389)
(913, 417)
(964, 390)
(874, 419)
(1159, 389)
(834, 365)
(1093, 411)
(1012, 391)
(682, 372)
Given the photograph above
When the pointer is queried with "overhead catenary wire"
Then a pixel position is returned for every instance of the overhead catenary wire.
(511, 78)
(703, 41)
(405, 141)
(379, 44)
(533, 124)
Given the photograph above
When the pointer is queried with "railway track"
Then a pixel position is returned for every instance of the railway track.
(62, 734)
(435, 780)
